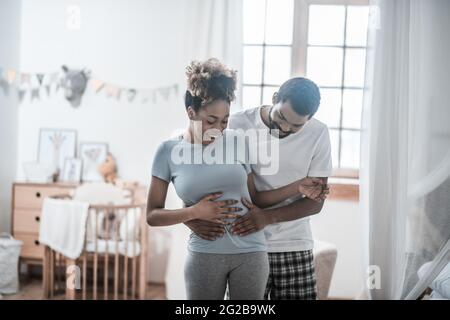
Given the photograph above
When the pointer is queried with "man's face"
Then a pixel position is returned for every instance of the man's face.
(286, 120)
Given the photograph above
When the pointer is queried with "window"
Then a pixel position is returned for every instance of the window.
(324, 40)
(267, 50)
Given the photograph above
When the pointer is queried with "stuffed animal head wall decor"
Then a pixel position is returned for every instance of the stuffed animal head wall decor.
(74, 84)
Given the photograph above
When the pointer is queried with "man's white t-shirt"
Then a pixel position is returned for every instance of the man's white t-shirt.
(305, 153)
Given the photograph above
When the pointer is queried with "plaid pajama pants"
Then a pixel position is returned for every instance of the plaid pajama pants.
(291, 277)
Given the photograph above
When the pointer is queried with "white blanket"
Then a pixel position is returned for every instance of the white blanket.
(63, 226)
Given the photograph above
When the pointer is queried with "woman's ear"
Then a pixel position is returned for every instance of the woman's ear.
(274, 98)
(191, 113)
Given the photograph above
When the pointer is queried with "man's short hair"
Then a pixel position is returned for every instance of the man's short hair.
(302, 94)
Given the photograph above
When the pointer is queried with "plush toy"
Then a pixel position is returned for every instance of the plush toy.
(74, 84)
(108, 169)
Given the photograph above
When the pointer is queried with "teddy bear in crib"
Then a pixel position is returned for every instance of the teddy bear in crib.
(108, 169)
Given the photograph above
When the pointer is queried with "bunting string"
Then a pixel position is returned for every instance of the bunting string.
(33, 86)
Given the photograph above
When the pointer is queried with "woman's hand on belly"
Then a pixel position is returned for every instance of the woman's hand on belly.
(217, 211)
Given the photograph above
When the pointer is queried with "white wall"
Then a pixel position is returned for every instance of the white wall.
(9, 58)
(340, 223)
(133, 43)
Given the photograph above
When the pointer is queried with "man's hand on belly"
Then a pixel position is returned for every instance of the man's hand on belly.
(254, 220)
(207, 230)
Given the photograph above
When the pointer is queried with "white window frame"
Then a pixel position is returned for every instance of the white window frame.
(300, 34)
(300, 48)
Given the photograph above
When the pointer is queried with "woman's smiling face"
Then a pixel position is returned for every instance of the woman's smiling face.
(209, 121)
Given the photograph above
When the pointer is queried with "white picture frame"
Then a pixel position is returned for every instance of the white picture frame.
(55, 145)
(92, 154)
(72, 170)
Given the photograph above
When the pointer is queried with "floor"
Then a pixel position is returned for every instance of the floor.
(31, 289)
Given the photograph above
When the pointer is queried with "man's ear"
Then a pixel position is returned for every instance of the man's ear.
(274, 98)
(191, 113)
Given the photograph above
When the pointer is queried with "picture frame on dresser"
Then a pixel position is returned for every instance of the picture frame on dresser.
(55, 145)
(72, 170)
(92, 155)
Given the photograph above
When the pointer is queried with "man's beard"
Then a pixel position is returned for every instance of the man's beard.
(281, 134)
(274, 126)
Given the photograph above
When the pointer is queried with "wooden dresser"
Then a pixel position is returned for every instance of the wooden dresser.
(26, 212)
(26, 208)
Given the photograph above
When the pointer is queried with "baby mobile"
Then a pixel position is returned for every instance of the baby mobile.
(74, 82)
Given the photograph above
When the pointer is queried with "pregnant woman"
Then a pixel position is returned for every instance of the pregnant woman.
(215, 191)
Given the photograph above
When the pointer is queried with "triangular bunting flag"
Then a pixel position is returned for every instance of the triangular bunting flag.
(53, 77)
(111, 91)
(40, 77)
(5, 87)
(25, 79)
(48, 87)
(97, 85)
(165, 92)
(175, 89)
(21, 94)
(131, 94)
(114, 92)
(34, 93)
(11, 76)
(58, 86)
(145, 96)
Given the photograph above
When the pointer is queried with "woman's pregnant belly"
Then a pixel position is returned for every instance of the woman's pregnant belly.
(194, 182)
(229, 243)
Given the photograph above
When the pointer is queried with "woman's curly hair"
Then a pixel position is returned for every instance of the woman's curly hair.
(208, 81)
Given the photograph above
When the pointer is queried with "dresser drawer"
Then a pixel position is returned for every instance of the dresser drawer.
(31, 197)
(26, 221)
(31, 247)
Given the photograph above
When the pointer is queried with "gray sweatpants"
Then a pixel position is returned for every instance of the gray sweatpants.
(207, 274)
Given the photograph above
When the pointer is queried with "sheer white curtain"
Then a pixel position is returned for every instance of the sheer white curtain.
(212, 29)
(405, 163)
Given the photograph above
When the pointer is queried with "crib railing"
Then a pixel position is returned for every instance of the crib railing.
(113, 264)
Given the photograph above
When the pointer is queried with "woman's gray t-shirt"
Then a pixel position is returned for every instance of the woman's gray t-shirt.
(197, 170)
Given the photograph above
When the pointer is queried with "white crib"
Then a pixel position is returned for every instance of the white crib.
(113, 264)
